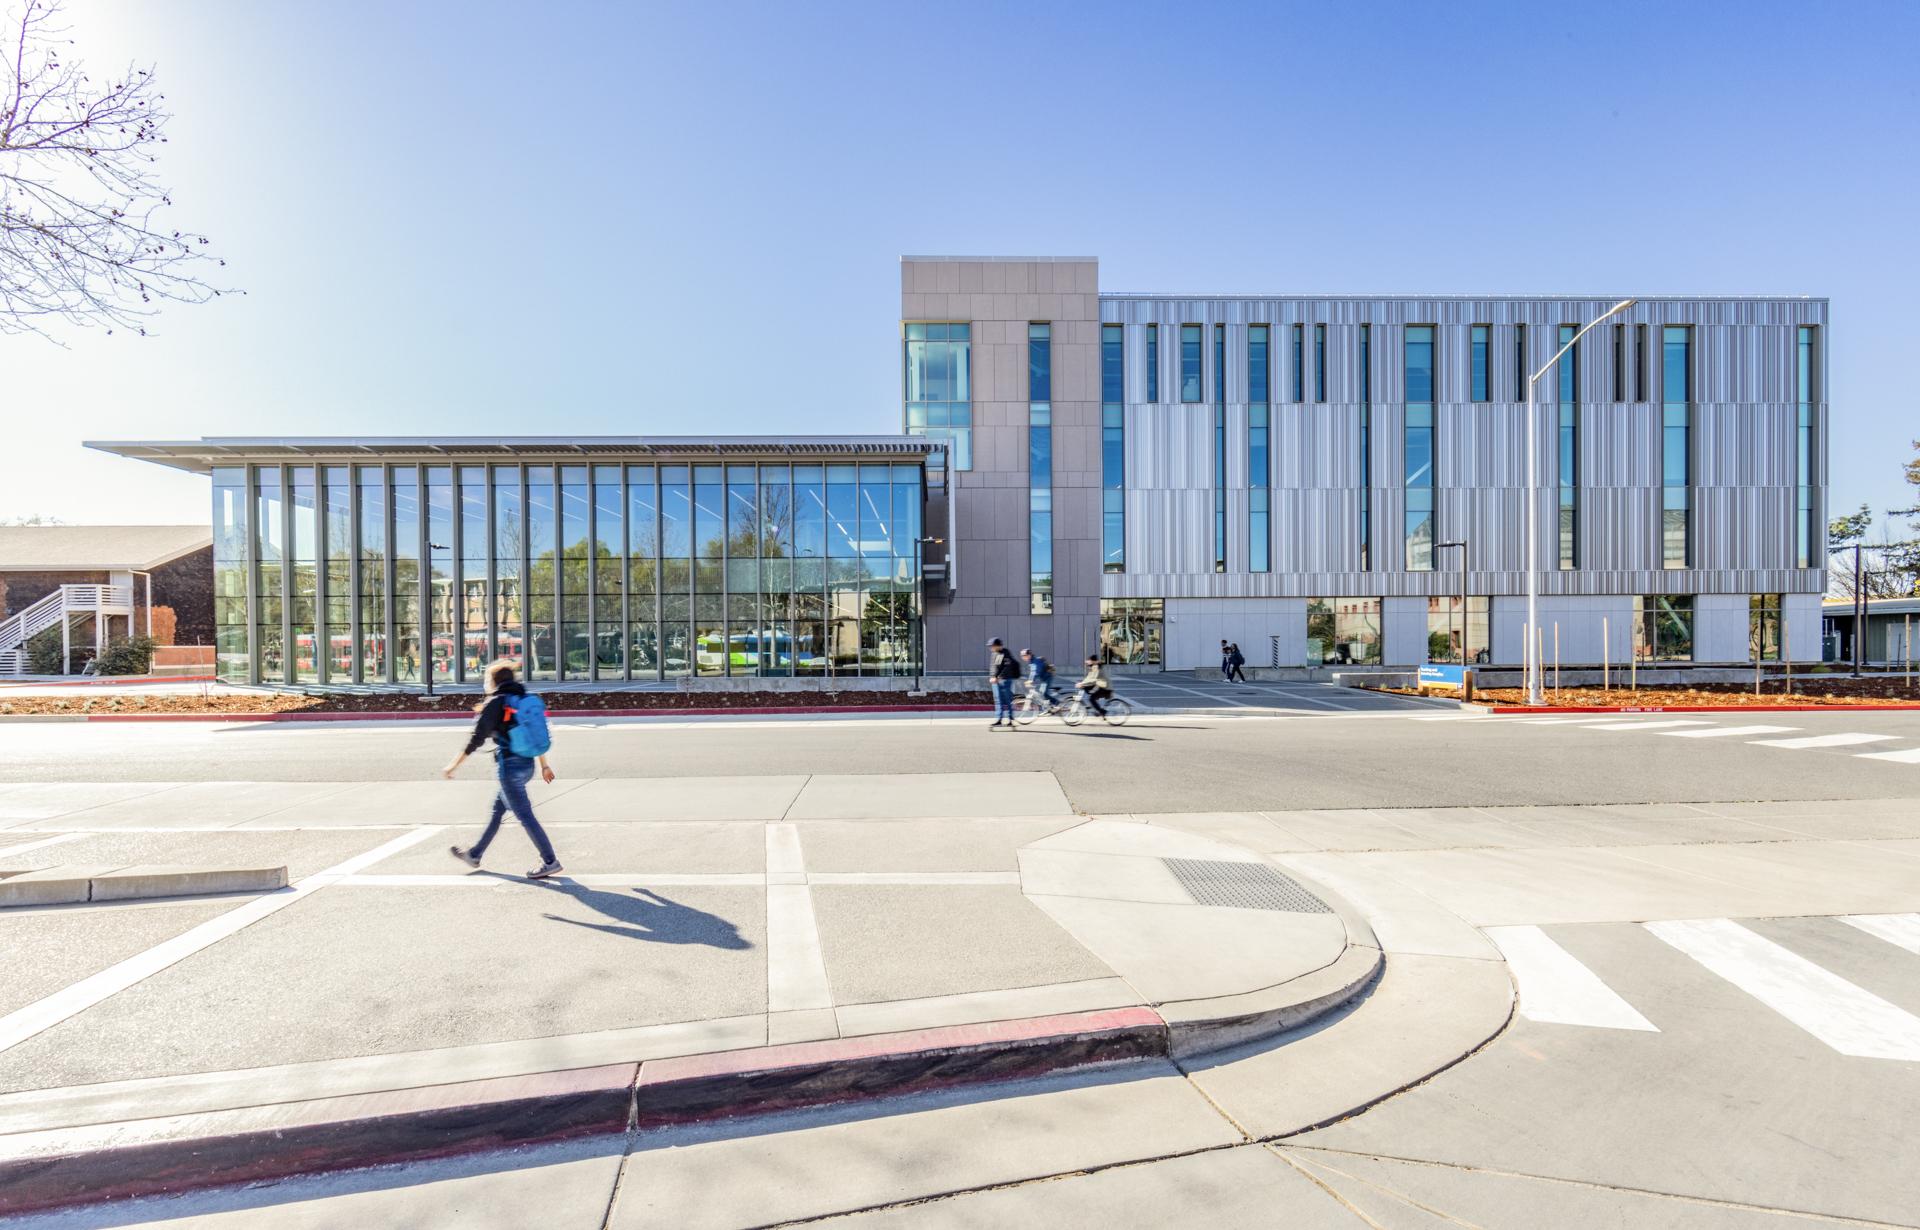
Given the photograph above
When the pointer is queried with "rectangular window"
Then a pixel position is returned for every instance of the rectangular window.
(1763, 627)
(1319, 363)
(1153, 364)
(1451, 638)
(1676, 447)
(1482, 345)
(939, 386)
(1343, 632)
(232, 659)
(1299, 363)
(1520, 373)
(1417, 440)
(1219, 448)
(1642, 356)
(1806, 523)
(1040, 468)
(1619, 363)
(1663, 628)
(1364, 444)
(1568, 458)
(1259, 503)
(375, 575)
(1189, 363)
(1113, 447)
(1131, 630)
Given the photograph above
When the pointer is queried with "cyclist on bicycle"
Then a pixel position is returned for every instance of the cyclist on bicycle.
(1096, 685)
(1040, 676)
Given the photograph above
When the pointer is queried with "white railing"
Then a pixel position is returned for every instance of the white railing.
(35, 619)
(24, 625)
(117, 598)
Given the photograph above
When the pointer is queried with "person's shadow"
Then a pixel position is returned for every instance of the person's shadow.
(646, 915)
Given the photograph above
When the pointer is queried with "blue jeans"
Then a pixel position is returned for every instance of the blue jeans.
(1003, 700)
(514, 773)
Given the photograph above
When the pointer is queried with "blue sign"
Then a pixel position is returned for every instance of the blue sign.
(1441, 675)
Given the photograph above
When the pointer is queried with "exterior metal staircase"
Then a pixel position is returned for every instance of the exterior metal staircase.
(51, 612)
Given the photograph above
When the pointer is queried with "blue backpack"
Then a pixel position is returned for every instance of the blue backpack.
(527, 733)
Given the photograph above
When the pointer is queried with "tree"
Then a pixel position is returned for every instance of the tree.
(1844, 531)
(32, 519)
(1889, 566)
(81, 239)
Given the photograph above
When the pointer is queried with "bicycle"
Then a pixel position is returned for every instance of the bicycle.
(1031, 705)
(1118, 709)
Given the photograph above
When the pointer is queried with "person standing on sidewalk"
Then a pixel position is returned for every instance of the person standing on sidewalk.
(516, 721)
(1003, 669)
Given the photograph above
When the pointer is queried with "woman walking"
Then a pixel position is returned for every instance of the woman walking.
(516, 721)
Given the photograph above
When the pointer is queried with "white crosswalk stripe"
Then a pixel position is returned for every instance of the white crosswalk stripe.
(1848, 1018)
(1901, 929)
(1846, 740)
(1556, 988)
(1639, 724)
(1909, 756)
(1722, 732)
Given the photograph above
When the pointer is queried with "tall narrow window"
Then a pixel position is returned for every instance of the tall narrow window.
(1259, 503)
(1520, 391)
(939, 381)
(1619, 363)
(1153, 364)
(1190, 362)
(1482, 360)
(1418, 451)
(1365, 447)
(1113, 445)
(1676, 459)
(1569, 452)
(1219, 448)
(1040, 466)
(1319, 363)
(1299, 363)
(1641, 357)
(1806, 527)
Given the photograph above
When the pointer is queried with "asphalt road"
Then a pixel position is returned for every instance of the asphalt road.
(1158, 763)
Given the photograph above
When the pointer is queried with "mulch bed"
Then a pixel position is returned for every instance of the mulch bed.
(463, 702)
(1839, 691)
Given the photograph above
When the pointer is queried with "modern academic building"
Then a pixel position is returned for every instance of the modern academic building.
(1317, 479)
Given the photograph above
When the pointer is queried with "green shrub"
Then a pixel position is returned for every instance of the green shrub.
(43, 654)
(126, 656)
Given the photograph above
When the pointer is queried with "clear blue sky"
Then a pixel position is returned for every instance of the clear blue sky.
(601, 218)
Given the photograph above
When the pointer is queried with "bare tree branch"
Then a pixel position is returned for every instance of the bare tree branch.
(81, 241)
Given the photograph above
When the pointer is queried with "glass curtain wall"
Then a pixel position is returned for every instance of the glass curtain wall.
(232, 659)
(939, 384)
(1040, 467)
(578, 572)
(1482, 368)
(1418, 453)
(1676, 447)
(1569, 450)
(1445, 630)
(1763, 627)
(1190, 363)
(1113, 445)
(1131, 630)
(1259, 505)
(1663, 628)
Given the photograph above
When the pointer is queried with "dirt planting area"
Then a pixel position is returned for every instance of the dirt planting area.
(1840, 691)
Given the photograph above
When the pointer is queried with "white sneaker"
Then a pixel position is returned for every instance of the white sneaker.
(470, 860)
(548, 870)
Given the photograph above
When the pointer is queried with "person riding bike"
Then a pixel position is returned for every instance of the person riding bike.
(1040, 676)
(1096, 685)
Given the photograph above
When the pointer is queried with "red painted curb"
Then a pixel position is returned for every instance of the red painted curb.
(459, 715)
(116, 1161)
(120, 1161)
(1888, 707)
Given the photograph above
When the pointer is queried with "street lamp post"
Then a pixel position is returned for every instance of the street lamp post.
(1441, 546)
(1531, 656)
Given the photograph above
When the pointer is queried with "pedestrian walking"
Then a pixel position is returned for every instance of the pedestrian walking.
(516, 721)
(1235, 660)
(1226, 662)
(1003, 669)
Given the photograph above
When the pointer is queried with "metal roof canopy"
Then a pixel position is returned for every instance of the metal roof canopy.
(200, 456)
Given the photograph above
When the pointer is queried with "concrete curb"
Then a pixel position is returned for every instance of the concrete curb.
(70, 885)
(459, 716)
(61, 1167)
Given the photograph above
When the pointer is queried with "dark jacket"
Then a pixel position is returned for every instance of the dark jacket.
(1005, 665)
(495, 719)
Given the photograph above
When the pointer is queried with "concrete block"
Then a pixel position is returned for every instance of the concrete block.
(157, 880)
(50, 886)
